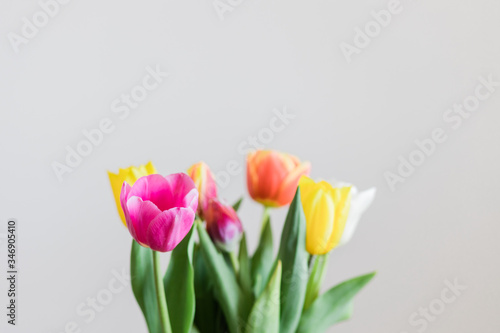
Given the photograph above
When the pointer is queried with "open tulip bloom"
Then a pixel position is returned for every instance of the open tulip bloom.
(212, 283)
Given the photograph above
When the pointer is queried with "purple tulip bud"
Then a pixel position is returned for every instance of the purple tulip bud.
(223, 225)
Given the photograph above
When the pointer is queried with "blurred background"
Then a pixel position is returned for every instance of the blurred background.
(400, 95)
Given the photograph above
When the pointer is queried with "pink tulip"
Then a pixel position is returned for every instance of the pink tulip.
(223, 225)
(160, 211)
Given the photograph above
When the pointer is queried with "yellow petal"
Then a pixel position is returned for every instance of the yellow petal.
(129, 175)
(150, 168)
(319, 210)
(306, 185)
(342, 199)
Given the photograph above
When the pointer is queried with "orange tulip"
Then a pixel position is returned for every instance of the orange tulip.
(273, 177)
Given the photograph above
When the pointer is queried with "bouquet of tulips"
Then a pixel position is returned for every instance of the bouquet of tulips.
(212, 284)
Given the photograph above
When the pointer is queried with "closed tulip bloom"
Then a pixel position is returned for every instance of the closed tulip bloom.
(129, 175)
(272, 177)
(326, 210)
(223, 225)
(159, 210)
(205, 183)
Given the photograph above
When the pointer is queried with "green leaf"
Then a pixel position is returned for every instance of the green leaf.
(237, 204)
(206, 305)
(244, 276)
(262, 260)
(265, 314)
(143, 285)
(179, 286)
(226, 288)
(333, 306)
(294, 256)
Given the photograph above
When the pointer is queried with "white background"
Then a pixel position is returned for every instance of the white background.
(352, 121)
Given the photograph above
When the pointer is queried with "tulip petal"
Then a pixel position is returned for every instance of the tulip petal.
(169, 228)
(251, 177)
(116, 185)
(359, 204)
(290, 183)
(151, 188)
(124, 194)
(254, 161)
(141, 213)
(174, 190)
(150, 168)
(181, 191)
(270, 174)
(319, 207)
(307, 185)
(341, 198)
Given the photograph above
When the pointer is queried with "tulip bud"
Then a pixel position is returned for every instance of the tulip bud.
(272, 177)
(129, 175)
(223, 225)
(205, 183)
(326, 210)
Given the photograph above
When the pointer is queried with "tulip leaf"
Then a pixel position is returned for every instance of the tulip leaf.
(226, 288)
(265, 314)
(237, 204)
(333, 306)
(294, 256)
(143, 285)
(179, 286)
(207, 308)
(244, 276)
(262, 260)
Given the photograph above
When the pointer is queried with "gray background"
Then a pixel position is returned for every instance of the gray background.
(352, 121)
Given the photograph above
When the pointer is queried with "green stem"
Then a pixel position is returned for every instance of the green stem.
(160, 294)
(234, 262)
(315, 279)
(265, 217)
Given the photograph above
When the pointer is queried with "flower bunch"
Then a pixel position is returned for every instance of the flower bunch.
(212, 283)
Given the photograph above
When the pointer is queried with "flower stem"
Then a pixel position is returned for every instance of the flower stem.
(160, 294)
(315, 279)
(265, 217)
(234, 262)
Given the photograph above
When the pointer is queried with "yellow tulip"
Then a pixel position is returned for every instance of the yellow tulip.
(326, 209)
(129, 175)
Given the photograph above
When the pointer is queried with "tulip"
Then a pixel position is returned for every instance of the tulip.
(223, 225)
(326, 210)
(360, 202)
(129, 175)
(159, 210)
(272, 177)
(205, 183)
